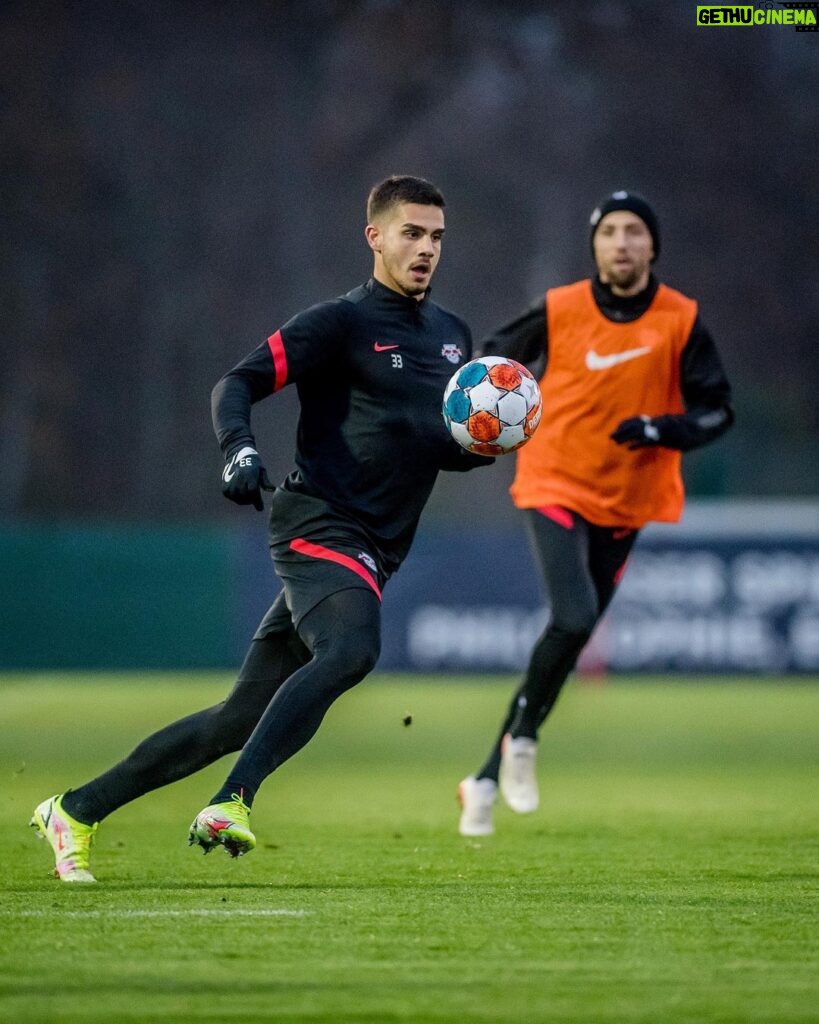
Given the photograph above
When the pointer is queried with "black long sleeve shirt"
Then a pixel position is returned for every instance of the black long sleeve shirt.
(370, 367)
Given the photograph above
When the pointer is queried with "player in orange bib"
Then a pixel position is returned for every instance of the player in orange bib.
(630, 379)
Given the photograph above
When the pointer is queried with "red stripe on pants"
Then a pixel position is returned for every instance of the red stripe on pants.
(304, 547)
(558, 514)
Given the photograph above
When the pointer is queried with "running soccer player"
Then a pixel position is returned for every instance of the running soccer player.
(630, 378)
(370, 368)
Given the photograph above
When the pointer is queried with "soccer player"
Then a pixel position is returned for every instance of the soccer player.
(370, 368)
(630, 378)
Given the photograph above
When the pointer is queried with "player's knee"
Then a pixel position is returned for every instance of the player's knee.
(356, 656)
(229, 726)
(576, 617)
(575, 624)
(368, 655)
(352, 654)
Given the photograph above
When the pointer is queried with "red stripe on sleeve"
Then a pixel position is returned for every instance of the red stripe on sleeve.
(276, 346)
(304, 547)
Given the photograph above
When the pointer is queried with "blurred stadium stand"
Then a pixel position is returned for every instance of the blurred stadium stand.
(734, 588)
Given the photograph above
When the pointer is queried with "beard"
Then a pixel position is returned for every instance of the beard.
(402, 277)
(625, 277)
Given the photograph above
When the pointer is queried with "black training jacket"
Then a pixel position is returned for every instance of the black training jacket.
(370, 367)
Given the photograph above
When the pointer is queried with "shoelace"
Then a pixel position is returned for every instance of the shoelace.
(236, 798)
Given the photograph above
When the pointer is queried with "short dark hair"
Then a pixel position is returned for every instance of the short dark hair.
(401, 188)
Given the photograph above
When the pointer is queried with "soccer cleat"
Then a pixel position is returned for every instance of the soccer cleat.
(518, 784)
(225, 825)
(477, 798)
(70, 839)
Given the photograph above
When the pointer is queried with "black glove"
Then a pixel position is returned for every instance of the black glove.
(244, 478)
(638, 432)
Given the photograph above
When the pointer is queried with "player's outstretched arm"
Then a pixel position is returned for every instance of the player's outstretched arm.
(307, 342)
(523, 339)
(683, 432)
(244, 476)
(707, 396)
(249, 381)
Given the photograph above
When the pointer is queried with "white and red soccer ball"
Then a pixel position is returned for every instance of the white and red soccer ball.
(492, 405)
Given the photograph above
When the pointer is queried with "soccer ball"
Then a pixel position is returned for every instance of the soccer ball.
(492, 405)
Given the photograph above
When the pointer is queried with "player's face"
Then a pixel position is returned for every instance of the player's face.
(406, 242)
(623, 249)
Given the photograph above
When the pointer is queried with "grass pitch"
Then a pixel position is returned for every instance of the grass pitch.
(669, 876)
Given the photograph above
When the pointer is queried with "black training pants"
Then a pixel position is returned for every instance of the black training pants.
(581, 565)
(286, 684)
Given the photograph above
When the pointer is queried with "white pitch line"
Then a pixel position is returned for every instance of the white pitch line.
(227, 912)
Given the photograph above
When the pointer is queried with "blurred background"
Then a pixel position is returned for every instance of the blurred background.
(180, 179)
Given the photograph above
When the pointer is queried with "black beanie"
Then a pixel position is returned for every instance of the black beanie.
(634, 204)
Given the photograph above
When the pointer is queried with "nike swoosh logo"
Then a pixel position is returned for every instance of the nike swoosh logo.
(229, 471)
(596, 362)
(47, 817)
(378, 347)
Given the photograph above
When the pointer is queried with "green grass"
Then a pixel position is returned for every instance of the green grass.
(669, 876)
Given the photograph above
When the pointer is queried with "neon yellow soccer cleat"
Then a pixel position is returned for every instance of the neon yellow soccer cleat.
(70, 839)
(225, 825)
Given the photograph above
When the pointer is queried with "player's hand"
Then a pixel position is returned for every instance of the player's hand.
(244, 478)
(637, 432)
